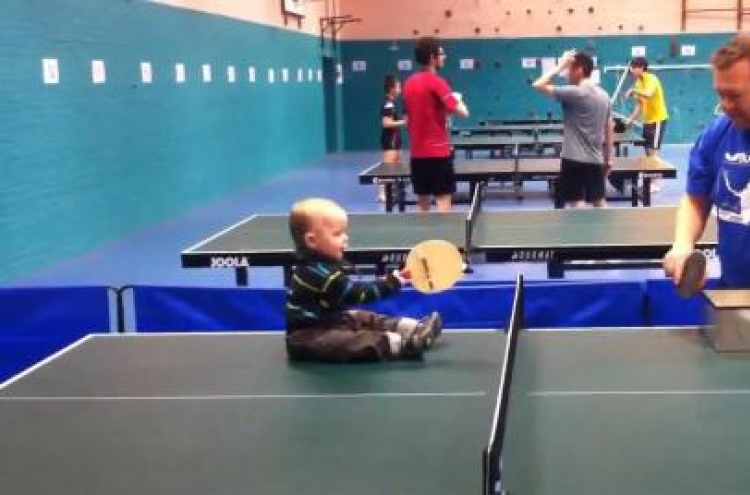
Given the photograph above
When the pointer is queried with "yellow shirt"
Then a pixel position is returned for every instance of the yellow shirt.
(653, 109)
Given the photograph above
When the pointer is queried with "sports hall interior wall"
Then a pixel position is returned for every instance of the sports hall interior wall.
(499, 87)
(87, 163)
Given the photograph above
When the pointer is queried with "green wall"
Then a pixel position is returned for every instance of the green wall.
(499, 88)
(83, 164)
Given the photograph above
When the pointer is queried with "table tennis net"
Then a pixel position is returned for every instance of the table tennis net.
(474, 210)
(492, 455)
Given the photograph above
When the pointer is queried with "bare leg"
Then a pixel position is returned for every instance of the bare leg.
(444, 202)
(423, 203)
(655, 185)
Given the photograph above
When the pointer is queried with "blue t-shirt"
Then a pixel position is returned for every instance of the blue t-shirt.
(720, 170)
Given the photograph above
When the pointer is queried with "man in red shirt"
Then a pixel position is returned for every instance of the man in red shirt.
(428, 100)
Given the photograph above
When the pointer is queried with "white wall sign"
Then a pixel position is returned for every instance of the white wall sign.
(300, 75)
(50, 71)
(637, 51)
(271, 76)
(359, 66)
(98, 72)
(339, 74)
(528, 63)
(687, 50)
(320, 75)
(206, 72)
(285, 75)
(147, 75)
(310, 75)
(231, 74)
(179, 73)
(251, 74)
(404, 64)
(466, 64)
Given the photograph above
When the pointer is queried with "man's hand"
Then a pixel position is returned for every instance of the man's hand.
(566, 59)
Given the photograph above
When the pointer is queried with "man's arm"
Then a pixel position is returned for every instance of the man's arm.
(390, 122)
(461, 109)
(544, 83)
(637, 111)
(609, 130)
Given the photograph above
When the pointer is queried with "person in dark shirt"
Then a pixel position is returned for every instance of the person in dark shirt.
(391, 124)
(322, 322)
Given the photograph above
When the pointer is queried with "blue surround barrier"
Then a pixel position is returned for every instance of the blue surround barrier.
(37, 322)
(480, 305)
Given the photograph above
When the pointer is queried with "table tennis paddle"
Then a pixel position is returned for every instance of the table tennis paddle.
(434, 265)
(693, 273)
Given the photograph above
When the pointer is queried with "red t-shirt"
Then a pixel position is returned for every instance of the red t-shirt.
(427, 101)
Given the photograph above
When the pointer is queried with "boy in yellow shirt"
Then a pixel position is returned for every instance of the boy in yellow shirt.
(651, 106)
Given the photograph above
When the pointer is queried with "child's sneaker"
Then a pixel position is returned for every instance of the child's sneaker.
(429, 329)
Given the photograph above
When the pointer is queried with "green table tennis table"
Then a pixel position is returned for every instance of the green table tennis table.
(510, 145)
(563, 239)
(586, 411)
(637, 172)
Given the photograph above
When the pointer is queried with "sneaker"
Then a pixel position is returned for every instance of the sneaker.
(429, 329)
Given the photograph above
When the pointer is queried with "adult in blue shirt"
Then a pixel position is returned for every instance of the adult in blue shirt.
(719, 173)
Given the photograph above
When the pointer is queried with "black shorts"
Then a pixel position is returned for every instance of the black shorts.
(653, 134)
(433, 176)
(390, 141)
(580, 181)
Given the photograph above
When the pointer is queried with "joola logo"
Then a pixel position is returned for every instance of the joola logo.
(229, 262)
(740, 157)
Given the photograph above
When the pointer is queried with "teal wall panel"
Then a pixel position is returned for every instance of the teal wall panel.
(84, 164)
(500, 88)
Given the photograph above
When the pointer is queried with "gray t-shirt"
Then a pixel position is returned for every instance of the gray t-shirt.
(585, 111)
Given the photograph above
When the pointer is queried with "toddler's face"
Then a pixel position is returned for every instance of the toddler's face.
(329, 236)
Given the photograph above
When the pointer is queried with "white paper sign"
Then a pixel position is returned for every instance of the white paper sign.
(359, 66)
(231, 74)
(179, 73)
(528, 63)
(310, 75)
(300, 75)
(320, 75)
(339, 74)
(271, 76)
(637, 51)
(285, 75)
(50, 71)
(404, 64)
(251, 74)
(466, 64)
(206, 73)
(98, 72)
(147, 75)
(687, 50)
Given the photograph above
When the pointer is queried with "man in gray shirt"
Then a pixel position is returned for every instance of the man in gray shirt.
(587, 130)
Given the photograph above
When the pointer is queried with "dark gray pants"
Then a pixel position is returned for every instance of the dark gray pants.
(358, 336)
